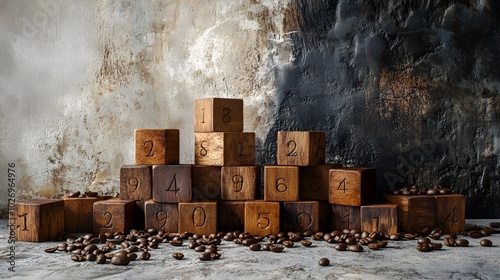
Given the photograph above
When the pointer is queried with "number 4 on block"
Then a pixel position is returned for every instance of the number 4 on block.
(352, 186)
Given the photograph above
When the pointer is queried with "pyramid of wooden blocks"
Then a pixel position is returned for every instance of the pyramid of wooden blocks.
(352, 186)
(156, 146)
(40, 220)
(301, 148)
(218, 114)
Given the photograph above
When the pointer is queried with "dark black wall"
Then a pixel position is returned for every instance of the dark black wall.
(411, 88)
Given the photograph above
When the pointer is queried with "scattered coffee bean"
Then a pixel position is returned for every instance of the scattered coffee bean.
(288, 243)
(486, 243)
(74, 194)
(462, 242)
(120, 260)
(355, 248)
(200, 248)
(266, 247)
(383, 244)
(176, 242)
(50, 250)
(306, 243)
(205, 257)
(449, 241)
(423, 247)
(90, 257)
(324, 262)
(276, 248)
(77, 257)
(423, 240)
(101, 259)
(178, 256)
(255, 247)
(132, 256)
(341, 247)
(145, 255)
(373, 246)
(495, 224)
(435, 246)
(215, 256)
(475, 234)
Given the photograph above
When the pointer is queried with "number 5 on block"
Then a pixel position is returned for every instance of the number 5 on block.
(262, 218)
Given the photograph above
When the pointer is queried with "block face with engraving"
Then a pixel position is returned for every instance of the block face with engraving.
(135, 182)
(352, 186)
(301, 216)
(162, 216)
(281, 183)
(231, 215)
(450, 213)
(314, 181)
(240, 182)
(40, 220)
(415, 212)
(172, 183)
(346, 217)
(78, 214)
(198, 217)
(380, 218)
(218, 115)
(262, 217)
(206, 183)
(302, 148)
(156, 146)
(114, 215)
(224, 148)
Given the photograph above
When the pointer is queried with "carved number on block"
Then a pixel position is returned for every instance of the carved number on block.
(133, 184)
(316, 185)
(25, 228)
(203, 151)
(109, 223)
(293, 146)
(342, 186)
(304, 220)
(173, 183)
(262, 218)
(451, 217)
(280, 185)
(225, 115)
(203, 116)
(150, 142)
(238, 183)
(199, 217)
(346, 220)
(162, 218)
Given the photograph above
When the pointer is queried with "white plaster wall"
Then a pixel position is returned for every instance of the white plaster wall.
(77, 77)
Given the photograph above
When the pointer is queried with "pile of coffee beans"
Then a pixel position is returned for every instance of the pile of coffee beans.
(80, 194)
(416, 190)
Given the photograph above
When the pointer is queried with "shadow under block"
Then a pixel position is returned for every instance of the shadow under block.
(301, 216)
(302, 148)
(40, 220)
(224, 148)
(314, 181)
(135, 182)
(162, 216)
(352, 186)
(206, 183)
(231, 215)
(78, 214)
(380, 218)
(156, 146)
(281, 183)
(450, 213)
(415, 212)
(240, 182)
(346, 217)
(172, 183)
(218, 115)
(262, 217)
(198, 217)
(114, 215)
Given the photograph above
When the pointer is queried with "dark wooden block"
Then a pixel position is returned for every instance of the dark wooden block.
(114, 215)
(415, 212)
(450, 213)
(135, 182)
(162, 216)
(231, 215)
(302, 148)
(40, 220)
(78, 214)
(172, 183)
(240, 182)
(262, 217)
(314, 181)
(352, 186)
(206, 183)
(218, 115)
(224, 148)
(301, 216)
(198, 217)
(380, 218)
(346, 217)
(281, 183)
(156, 146)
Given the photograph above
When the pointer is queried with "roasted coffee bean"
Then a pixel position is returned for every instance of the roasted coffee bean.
(462, 242)
(423, 240)
(100, 259)
(288, 243)
(50, 250)
(249, 241)
(449, 241)
(445, 191)
(350, 241)
(153, 245)
(433, 192)
(215, 256)
(77, 257)
(228, 237)
(176, 242)
(120, 260)
(62, 247)
(177, 255)
(475, 234)
(132, 256)
(373, 246)
(145, 255)
(266, 247)
(424, 247)
(341, 247)
(435, 236)
(200, 248)
(396, 236)
(90, 248)
(255, 247)
(486, 243)
(383, 244)
(74, 194)
(495, 224)
(205, 257)
(426, 231)
(435, 246)
(308, 233)
(409, 236)
(324, 262)
(276, 248)
(211, 250)
(355, 248)
(90, 257)
(305, 243)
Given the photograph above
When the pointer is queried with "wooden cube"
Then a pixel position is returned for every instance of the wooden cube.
(352, 186)
(135, 182)
(415, 212)
(218, 115)
(240, 182)
(314, 181)
(346, 217)
(450, 213)
(139, 214)
(231, 215)
(224, 148)
(198, 217)
(40, 220)
(380, 218)
(302, 148)
(172, 183)
(156, 146)
(301, 216)
(262, 217)
(162, 216)
(281, 183)
(114, 215)
(78, 214)
(206, 183)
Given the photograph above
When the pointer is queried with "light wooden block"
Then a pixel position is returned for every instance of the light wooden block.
(40, 220)
(240, 182)
(281, 183)
(302, 148)
(198, 217)
(218, 115)
(206, 183)
(301, 216)
(380, 218)
(231, 215)
(262, 217)
(314, 181)
(135, 182)
(346, 217)
(415, 212)
(172, 183)
(78, 214)
(114, 215)
(162, 216)
(450, 213)
(224, 148)
(352, 186)
(156, 146)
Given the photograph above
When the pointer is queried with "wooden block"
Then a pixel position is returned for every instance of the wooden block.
(162, 216)
(139, 214)
(450, 213)
(224, 148)
(415, 212)
(135, 182)
(281, 183)
(302, 148)
(78, 214)
(231, 215)
(206, 182)
(240, 182)
(198, 217)
(301, 216)
(40, 220)
(114, 215)
(262, 217)
(380, 218)
(352, 186)
(156, 146)
(346, 217)
(314, 181)
(172, 183)
(218, 115)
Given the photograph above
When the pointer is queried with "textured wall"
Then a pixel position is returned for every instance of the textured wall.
(410, 87)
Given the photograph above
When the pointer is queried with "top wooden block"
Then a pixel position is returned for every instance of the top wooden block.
(302, 148)
(218, 115)
(156, 146)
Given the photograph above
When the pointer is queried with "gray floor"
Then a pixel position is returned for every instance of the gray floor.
(400, 260)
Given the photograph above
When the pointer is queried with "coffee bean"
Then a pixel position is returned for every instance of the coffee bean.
(90, 257)
(100, 259)
(495, 224)
(177, 255)
(77, 257)
(383, 244)
(211, 250)
(423, 240)
(176, 242)
(355, 248)
(249, 241)
(449, 241)
(435, 236)
(215, 256)
(132, 256)
(424, 247)
(324, 262)
(120, 260)
(435, 246)
(200, 248)
(276, 248)
(266, 247)
(50, 250)
(74, 194)
(486, 243)
(205, 257)
(255, 247)
(462, 242)
(445, 191)
(145, 255)
(373, 246)
(350, 241)
(306, 243)
(341, 247)
(308, 233)
(288, 243)
(228, 238)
